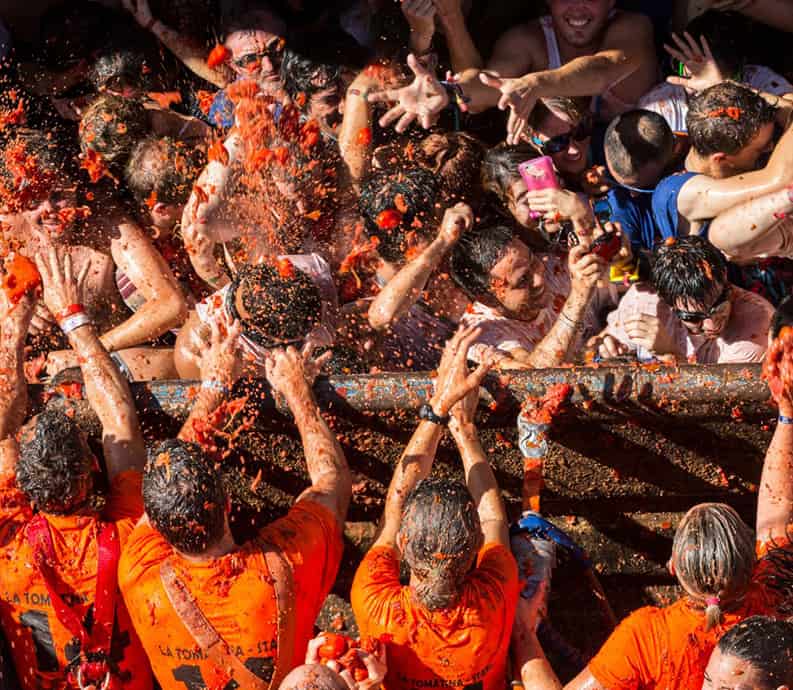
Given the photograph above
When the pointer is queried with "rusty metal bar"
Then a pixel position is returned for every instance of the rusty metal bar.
(395, 391)
(737, 383)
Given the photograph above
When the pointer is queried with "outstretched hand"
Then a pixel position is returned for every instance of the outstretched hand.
(519, 95)
(60, 288)
(698, 60)
(15, 318)
(423, 99)
(222, 363)
(289, 371)
(455, 380)
(140, 10)
(456, 220)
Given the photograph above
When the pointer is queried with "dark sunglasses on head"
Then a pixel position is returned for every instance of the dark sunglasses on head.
(699, 316)
(561, 142)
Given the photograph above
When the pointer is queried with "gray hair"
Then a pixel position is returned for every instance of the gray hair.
(714, 556)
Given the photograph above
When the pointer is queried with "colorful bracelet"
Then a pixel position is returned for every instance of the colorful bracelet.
(784, 420)
(456, 91)
(72, 323)
(71, 310)
(352, 91)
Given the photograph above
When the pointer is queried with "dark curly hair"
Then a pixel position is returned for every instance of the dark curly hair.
(183, 496)
(112, 126)
(688, 268)
(439, 536)
(767, 644)
(474, 256)
(725, 118)
(413, 192)
(500, 168)
(55, 464)
(277, 310)
(302, 74)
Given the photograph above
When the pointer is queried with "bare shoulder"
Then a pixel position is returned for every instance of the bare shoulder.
(629, 25)
(519, 50)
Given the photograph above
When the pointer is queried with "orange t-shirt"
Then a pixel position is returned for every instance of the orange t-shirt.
(37, 640)
(669, 648)
(234, 592)
(465, 646)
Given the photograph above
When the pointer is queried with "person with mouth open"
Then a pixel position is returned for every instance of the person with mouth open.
(582, 48)
(531, 309)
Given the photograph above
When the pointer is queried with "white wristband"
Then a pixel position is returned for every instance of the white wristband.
(72, 323)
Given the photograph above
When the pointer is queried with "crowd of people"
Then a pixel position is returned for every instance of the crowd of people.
(275, 190)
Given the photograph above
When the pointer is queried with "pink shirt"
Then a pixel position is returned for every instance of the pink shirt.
(744, 338)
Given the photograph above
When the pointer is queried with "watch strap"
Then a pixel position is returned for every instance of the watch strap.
(428, 414)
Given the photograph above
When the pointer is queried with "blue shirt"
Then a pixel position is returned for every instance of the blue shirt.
(221, 112)
(634, 212)
(667, 215)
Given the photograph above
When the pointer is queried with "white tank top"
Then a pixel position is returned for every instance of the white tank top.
(551, 44)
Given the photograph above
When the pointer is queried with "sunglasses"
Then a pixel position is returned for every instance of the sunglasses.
(614, 183)
(248, 61)
(561, 142)
(695, 317)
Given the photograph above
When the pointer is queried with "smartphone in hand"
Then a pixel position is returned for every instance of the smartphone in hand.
(538, 173)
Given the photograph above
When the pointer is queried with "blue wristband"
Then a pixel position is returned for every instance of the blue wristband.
(784, 420)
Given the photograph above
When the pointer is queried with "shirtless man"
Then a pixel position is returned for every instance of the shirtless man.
(582, 48)
(39, 202)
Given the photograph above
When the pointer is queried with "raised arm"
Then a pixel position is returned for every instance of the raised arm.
(479, 476)
(106, 388)
(355, 134)
(220, 369)
(775, 495)
(292, 375)
(776, 13)
(630, 49)
(454, 381)
(13, 388)
(554, 349)
(511, 59)
(420, 16)
(462, 51)
(209, 192)
(528, 657)
(165, 307)
(760, 227)
(402, 291)
(191, 53)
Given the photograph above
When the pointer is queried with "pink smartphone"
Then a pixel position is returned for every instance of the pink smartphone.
(538, 173)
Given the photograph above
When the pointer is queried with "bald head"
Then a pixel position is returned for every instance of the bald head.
(313, 677)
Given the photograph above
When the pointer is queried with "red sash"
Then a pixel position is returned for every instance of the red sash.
(93, 665)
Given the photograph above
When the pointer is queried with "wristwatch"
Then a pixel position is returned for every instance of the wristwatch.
(428, 414)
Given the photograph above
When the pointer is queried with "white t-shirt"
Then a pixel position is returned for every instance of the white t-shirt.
(671, 101)
(743, 340)
(507, 335)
